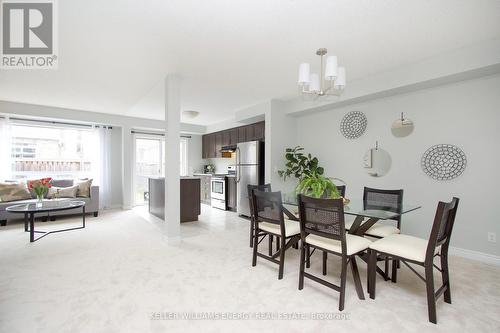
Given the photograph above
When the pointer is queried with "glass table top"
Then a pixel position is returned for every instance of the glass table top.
(360, 208)
(47, 205)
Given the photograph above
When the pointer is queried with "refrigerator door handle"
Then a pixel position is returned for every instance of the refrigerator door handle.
(238, 160)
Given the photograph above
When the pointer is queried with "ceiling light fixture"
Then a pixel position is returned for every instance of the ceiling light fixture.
(330, 82)
(190, 114)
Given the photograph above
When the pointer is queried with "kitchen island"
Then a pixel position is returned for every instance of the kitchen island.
(189, 196)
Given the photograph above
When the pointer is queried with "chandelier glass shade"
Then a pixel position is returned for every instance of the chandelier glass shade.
(331, 79)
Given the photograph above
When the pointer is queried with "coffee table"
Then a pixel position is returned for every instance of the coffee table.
(29, 210)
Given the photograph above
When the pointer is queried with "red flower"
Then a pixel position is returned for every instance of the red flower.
(30, 185)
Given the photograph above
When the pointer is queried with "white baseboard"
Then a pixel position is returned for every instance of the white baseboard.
(475, 255)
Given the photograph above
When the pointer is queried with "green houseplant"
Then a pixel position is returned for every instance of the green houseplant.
(310, 175)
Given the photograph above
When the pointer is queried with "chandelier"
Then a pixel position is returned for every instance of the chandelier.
(330, 82)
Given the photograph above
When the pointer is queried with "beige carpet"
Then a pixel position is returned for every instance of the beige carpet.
(121, 274)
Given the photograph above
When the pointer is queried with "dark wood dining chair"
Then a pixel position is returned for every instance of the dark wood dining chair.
(322, 227)
(388, 200)
(269, 221)
(413, 250)
(341, 189)
(250, 188)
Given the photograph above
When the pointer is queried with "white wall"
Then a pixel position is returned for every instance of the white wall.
(195, 162)
(465, 114)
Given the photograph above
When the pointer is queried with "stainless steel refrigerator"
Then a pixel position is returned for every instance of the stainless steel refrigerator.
(249, 170)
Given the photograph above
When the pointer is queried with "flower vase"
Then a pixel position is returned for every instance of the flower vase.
(39, 200)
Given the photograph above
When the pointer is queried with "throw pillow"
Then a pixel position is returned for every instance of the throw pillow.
(84, 188)
(64, 192)
(13, 191)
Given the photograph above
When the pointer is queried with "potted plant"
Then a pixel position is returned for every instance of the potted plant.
(306, 169)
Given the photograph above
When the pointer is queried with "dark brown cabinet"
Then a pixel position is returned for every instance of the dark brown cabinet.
(218, 144)
(231, 193)
(213, 142)
(242, 134)
(233, 136)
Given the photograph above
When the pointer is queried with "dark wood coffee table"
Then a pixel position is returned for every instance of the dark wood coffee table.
(29, 210)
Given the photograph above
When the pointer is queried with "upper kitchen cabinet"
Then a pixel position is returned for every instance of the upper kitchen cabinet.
(213, 142)
(218, 144)
(233, 136)
(260, 130)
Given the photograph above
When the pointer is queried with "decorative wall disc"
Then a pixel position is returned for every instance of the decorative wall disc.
(444, 162)
(353, 125)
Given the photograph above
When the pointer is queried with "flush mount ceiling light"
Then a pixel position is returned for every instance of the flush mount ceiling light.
(330, 81)
(190, 114)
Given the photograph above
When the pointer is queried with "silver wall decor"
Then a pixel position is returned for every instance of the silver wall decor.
(377, 162)
(444, 162)
(402, 127)
(353, 125)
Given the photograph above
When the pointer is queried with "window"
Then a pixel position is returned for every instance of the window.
(150, 162)
(58, 152)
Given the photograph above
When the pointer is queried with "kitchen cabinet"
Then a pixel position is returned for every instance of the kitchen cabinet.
(233, 136)
(260, 130)
(205, 191)
(218, 144)
(213, 142)
(231, 193)
(242, 134)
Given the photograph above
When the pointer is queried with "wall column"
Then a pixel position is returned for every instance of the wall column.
(172, 155)
(127, 173)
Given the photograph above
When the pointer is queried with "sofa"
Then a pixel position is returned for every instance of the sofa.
(91, 204)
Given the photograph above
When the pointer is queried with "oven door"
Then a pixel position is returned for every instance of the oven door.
(219, 188)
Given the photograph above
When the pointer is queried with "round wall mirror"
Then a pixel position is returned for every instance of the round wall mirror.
(377, 162)
(402, 127)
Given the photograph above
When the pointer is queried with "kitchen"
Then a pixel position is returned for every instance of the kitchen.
(232, 159)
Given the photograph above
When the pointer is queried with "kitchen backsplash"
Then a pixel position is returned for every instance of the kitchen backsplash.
(221, 164)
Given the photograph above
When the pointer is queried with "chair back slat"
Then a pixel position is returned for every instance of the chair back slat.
(250, 189)
(390, 200)
(442, 226)
(323, 217)
(267, 206)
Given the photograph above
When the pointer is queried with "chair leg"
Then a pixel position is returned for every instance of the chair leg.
(270, 244)
(431, 298)
(282, 257)
(308, 256)
(255, 246)
(278, 243)
(357, 280)
(394, 275)
(325, 257)
(343, 276)
(372, 272)
(446, 277)
(386, 268)
(302, 264)
(251, 232)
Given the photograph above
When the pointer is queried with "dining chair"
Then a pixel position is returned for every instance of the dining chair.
(250, 188)
(413, 250)
(388, 200)
(322, 227)
(269, 221)
(341, 189)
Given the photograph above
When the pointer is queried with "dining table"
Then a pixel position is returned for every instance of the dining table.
(366, 214)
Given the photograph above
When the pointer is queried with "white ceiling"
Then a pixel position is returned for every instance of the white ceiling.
(114, 54)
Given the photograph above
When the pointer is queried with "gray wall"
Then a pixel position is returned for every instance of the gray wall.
(464, 114)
